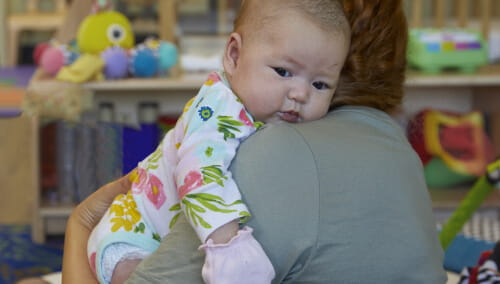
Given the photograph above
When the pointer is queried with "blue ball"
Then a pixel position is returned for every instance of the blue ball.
(143, 63)
(116, 63)
(168, 55)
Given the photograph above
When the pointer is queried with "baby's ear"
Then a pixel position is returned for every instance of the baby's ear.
(232, 53)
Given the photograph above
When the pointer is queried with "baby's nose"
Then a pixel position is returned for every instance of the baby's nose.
(299, 93)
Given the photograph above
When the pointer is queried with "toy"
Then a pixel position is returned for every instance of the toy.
(104, 48)
(39, 50)
(167, 53)
(433, 50)
(116, 63)
(453, 147)
(104, 29)
(143, 62)
(481, 189)
(52, 59)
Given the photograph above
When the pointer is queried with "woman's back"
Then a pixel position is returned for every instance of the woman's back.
(341, 200)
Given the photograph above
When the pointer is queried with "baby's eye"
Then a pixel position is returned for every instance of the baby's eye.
(320, 85)
(282, 72)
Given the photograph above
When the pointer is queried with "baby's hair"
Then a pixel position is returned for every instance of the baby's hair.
(374, 71)
(257, 14)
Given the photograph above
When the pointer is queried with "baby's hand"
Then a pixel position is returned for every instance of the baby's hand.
(241, 260)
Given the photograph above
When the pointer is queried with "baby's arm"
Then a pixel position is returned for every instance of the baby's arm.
(207, 136)
(216, 123)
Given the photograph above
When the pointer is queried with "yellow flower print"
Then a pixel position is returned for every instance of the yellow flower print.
(134, 177)
(125, 210)
(189, 104)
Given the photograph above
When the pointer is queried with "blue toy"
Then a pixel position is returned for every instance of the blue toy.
(143, 62)
(167, 53)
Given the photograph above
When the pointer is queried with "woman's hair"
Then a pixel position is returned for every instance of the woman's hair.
(374, 71)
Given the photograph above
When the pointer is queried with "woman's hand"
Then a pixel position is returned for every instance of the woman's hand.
(83, 219)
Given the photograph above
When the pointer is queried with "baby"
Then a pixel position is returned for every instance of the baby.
(281, 64)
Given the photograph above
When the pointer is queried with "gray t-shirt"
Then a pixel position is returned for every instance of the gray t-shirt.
(338, 200)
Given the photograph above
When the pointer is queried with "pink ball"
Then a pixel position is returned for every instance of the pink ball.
(52, 60)
(39, 50)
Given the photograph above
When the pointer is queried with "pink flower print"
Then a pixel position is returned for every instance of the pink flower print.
(92, 262)
(212, 79)
(154, 191)
(192, 181)
(244, 118)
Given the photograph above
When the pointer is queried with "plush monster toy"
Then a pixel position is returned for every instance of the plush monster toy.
(104, 29)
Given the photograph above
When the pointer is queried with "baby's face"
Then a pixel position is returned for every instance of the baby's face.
(290, 71)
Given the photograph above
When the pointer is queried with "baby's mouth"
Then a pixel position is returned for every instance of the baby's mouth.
(290, 116)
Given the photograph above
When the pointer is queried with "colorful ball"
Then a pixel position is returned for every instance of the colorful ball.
(116, 63)
(167, 53)
(143, 62)
(52, 60)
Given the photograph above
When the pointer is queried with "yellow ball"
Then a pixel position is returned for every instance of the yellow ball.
(104, 29)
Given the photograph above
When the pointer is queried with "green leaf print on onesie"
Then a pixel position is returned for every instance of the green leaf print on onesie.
(227, 126)
(154, 158)
(213, 173)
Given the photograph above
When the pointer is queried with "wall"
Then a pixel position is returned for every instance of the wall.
(18, 156)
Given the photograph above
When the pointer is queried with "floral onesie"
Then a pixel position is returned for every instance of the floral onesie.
(187, 172)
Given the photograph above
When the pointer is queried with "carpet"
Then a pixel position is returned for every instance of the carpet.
(21, 258)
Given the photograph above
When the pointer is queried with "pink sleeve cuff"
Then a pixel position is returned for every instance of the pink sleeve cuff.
(241, 260)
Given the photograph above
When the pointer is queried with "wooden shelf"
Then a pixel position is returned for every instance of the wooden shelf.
(56, 210)
(450, 198)
(488, 75)
(182, 82)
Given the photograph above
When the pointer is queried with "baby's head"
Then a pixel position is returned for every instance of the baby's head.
(284, 57)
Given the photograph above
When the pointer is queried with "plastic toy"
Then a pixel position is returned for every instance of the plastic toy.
(481, 189)
(432, 50)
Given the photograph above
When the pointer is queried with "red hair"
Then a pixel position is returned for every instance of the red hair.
(374, 71)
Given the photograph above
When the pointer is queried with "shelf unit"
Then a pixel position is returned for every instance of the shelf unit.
(483, 86)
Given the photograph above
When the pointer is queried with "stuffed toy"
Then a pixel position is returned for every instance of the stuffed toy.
(105, 49)
(454, 148)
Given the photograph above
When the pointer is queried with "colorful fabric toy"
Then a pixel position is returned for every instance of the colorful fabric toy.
(454, 148)
(104, 48)
(486, 271)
